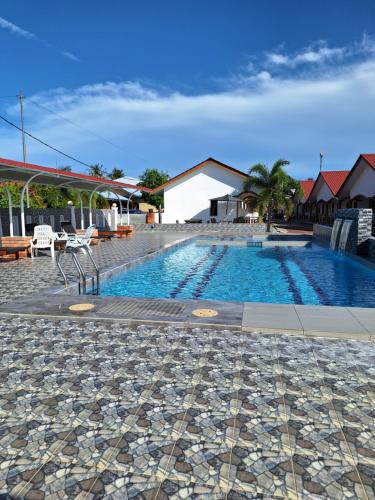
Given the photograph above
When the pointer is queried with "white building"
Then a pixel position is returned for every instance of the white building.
(190, 195)
(358, 190)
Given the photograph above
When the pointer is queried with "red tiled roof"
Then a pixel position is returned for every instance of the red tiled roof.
(335, 179)
(307, 187)
(370, 158)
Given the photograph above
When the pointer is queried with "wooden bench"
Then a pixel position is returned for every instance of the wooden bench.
(107, 233)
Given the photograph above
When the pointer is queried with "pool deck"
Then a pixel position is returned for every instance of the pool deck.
(140, 399)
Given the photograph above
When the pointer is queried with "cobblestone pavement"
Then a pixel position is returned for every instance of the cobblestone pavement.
(100, 409)
(26, 276)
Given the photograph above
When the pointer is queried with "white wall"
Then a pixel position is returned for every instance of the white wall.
(323, 192)
(364, 183)
(189, 197)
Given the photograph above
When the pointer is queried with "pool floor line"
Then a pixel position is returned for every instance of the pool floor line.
(182, 284)
(322, 296)
(293, 288)
(208, 275)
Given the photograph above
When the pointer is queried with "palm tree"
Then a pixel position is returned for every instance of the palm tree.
(275, 188)
(116, 173)
(97, 170)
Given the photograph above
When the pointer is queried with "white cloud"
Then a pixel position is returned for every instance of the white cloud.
(277, 58)
(320, 53)
(293, 117)
(70, 56)
(310, 55)
(16, 30)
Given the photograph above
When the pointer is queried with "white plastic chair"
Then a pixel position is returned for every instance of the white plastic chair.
(43, 238)
(81, 242)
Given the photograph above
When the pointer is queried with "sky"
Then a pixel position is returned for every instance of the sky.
(166, 84)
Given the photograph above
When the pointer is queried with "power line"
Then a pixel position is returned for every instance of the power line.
(44, 143)
(87, 130)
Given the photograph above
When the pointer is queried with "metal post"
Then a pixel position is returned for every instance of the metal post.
(22, 204)
(21, 98)
(127, 208)
(10, 209)
(82, 214)
(90, 202)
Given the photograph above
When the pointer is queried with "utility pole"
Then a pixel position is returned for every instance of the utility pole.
(321, 161)
(21, 97)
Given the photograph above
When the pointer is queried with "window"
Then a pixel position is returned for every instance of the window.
(213, 208)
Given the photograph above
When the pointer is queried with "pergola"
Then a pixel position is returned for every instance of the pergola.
(238, 200)
(11, 170)
(227, 198)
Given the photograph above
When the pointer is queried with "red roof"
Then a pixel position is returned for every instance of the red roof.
(370, 158)
(307, 187)
(335, 179)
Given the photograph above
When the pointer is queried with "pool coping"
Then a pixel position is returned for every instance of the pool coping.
(323, 321)
(248, 317)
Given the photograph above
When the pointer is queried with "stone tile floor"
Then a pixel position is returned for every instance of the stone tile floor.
(99, 409)
(26, 276)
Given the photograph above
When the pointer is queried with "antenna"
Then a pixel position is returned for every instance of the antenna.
(321, 161)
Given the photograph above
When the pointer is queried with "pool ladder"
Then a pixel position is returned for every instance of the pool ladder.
(83, 278)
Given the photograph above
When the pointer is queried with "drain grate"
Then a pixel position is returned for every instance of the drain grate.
(143, 308)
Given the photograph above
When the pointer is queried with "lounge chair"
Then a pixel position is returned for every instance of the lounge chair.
(43, 238)
(74, 241)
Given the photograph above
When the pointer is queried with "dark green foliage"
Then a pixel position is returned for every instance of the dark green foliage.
(116, 173)
(152, 178)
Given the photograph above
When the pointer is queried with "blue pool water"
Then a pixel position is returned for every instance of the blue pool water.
(289, 275)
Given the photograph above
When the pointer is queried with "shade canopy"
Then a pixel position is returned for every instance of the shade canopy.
(227, 198)
(11, 170)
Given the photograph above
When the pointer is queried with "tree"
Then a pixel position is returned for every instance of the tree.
(97, 170)
(274, 186)
(152, 178)
(116, 173)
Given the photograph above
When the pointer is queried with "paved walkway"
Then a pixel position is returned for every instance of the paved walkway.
(97, 409)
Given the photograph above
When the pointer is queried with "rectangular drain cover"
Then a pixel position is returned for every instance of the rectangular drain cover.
(143, 308)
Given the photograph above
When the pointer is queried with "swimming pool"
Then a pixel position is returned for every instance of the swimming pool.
(290, 275)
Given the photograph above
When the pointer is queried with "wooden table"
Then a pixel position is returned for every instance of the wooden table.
(14, 251)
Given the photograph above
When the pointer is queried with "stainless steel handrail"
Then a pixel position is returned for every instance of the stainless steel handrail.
(82, 275)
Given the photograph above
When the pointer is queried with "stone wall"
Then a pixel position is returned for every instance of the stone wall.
(219, 227)
(371, 247)
(360, 230)
(322, 233)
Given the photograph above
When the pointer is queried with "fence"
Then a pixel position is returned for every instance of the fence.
(54, 217)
